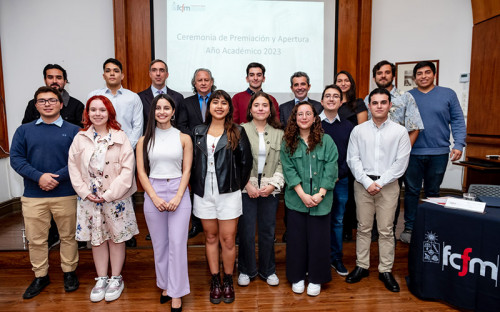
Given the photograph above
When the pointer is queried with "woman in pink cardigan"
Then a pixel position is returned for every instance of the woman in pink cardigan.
(101, 168)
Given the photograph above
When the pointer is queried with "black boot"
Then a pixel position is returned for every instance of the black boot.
(227, 288)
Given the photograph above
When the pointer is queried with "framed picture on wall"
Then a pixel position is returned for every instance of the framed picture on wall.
(404, 75)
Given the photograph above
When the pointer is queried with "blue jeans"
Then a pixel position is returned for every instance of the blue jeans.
(260, 211)
(340, 196)
(430, 169)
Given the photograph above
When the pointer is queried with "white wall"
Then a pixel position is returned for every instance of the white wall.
(78, 35)
(409, 30)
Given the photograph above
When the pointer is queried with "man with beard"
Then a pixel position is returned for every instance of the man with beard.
(404, 111)
(56, 77)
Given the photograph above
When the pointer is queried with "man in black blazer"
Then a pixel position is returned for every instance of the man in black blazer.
(191, 111)
(300, 86)
(158, 72)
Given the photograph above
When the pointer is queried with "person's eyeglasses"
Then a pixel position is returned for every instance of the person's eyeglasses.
(335, 96)
(51, 101)
(308, 114)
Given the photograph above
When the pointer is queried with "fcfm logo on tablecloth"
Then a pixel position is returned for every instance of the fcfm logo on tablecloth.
(459, 261)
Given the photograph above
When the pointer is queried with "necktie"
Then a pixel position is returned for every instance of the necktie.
(203, 107)
(160, 91)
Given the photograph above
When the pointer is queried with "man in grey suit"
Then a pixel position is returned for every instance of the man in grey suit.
(300, 86)
(158, 72)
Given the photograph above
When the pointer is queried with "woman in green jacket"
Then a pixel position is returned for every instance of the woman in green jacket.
(309, 161)
(261, 194)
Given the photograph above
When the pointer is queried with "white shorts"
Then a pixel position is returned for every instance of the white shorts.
(217, 206)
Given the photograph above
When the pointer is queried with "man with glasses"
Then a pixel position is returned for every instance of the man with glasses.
(56, 77)
(39, 153)
(339, 130)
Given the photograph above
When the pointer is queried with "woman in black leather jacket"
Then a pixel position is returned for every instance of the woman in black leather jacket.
(221, 168)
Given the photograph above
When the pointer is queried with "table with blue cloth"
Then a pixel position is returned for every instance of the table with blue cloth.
(454, 256)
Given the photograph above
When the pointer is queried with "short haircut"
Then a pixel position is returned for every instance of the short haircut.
(424, 64)
(379, 65)
(158, 61)
(379, 91)
(48, 89)
(54, 66)
(256, 65)
(297, 75)
(112, 61)
(332, 86)
(193, 81)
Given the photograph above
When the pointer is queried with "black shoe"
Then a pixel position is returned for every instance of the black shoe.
(71, 282)
(347, 236)
(148, 237)
(131, 242)
(195, 230)
(357, 275)
(164, 299)
(82, 245)
(283, 239)
(339, 267)
(389, 281)
(179, 309)
(38, 284)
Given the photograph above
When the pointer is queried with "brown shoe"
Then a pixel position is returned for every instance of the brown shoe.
(215, 289)
(228, 289)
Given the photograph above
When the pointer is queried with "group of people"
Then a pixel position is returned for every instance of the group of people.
(237, 154)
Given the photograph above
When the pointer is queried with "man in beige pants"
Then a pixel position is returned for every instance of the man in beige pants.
(39, 153)
(377, 154)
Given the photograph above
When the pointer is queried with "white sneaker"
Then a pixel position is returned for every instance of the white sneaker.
(115, 288)
(243, 279)
(99, 290)
(313, 289)
(298, 287)
(273, 280)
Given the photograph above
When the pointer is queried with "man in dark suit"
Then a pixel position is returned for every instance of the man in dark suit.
(192, 110)
(192, 113)
(300, 86)
(158, 72)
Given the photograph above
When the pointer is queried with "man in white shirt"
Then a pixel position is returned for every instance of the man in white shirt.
(127, 104)
(377, 155)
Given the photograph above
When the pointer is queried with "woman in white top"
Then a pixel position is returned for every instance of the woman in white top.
(164, 157)
(221, 168)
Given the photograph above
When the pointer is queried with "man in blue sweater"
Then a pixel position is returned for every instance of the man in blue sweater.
(39, 153)
(339, 130)
(439, 109)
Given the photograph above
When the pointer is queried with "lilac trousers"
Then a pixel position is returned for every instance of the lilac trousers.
(169, 234)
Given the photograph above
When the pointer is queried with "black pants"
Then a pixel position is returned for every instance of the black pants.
(308, 247)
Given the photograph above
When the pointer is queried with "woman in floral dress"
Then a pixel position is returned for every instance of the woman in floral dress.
(101, 167)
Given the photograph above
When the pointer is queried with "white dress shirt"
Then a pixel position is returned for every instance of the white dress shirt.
(128, 107)
(378, 151)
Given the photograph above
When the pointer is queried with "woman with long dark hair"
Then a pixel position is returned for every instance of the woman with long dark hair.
(352, 108)
(164, 158)
(101, 167)
(261, 194)
(221, 168)
(309, 160)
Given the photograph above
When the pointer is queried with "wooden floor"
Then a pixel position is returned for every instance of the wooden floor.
(141, 293)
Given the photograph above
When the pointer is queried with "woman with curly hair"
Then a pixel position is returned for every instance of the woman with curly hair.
(309, 161)
(222, 161)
